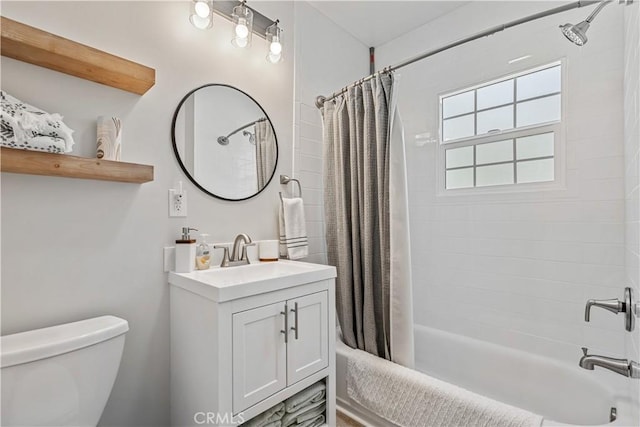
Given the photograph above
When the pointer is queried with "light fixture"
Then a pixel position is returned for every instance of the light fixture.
(274, 43)
(246, 21)
(242, 18)
(201, 14)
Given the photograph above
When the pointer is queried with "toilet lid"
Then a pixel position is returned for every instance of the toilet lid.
(38, 344)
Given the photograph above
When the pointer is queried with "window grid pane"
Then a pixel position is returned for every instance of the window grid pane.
(534, 100)
(500, 163)
(531, 99)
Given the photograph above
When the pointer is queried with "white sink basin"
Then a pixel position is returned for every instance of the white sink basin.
(225, 284)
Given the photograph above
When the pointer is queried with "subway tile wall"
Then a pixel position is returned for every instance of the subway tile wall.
(308, 167)
(323, 64)
(632, 165)
(516, 268)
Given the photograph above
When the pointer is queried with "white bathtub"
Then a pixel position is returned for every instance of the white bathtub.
(556, 391)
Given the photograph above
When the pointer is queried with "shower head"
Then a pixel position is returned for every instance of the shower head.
(223, 140)
(578, 33)
(252, 137)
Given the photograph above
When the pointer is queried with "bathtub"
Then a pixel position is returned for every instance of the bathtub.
(564, 395)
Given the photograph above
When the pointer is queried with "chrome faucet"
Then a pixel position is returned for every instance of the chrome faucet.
(236, 257)
(235, 253)
(619, 366)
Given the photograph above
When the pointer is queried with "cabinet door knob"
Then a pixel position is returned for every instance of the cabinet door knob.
(295, 328)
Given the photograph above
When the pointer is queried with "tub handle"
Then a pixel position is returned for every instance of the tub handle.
(615, 306)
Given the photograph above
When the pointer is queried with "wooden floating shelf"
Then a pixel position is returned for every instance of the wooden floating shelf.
(39, 163)
(32, 45)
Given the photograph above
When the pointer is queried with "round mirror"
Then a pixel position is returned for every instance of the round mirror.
(224, 142)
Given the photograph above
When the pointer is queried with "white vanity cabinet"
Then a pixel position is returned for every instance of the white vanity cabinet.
(266, 359)
(245, 340)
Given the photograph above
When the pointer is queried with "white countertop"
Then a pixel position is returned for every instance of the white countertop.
(229, 283)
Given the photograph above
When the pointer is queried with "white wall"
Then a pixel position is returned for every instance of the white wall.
(73, 249)
(516, 269)
(327, 59)
(632, 166)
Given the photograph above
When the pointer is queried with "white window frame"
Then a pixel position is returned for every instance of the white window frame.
(558, 128)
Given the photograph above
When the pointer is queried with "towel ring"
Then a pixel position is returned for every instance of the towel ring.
(284, 180)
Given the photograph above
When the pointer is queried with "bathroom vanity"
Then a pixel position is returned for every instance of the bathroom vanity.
(246, 338)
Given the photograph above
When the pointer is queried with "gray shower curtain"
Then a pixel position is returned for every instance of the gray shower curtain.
(357, 135)
(265, 152)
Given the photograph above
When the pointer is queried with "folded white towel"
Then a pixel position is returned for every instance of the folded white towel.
(311, 394)
(409, 398)
(24, 126)
(310, 410)
(268, 418)
(293, 230)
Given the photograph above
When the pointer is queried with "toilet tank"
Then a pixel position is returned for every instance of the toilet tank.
(60, 375)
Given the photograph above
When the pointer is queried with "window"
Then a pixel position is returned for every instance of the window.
(502, 132)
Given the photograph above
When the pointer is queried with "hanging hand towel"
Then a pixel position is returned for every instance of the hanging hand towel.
(293, 231)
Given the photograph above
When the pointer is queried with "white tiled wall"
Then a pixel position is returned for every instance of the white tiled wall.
(323, 64)
(517, 268)
(632, 165)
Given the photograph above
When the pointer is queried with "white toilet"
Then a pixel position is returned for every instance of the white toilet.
(61, 375)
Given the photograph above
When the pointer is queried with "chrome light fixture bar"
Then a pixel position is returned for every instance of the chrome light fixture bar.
(246, 22)
(260, 22)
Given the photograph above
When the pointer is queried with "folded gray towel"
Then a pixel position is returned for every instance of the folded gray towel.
(311, 394)
(270, 418)
(291, 418)
(314, 422)
(311, 414)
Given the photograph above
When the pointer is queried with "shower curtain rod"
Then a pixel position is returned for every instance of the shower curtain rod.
(246, 126)
(321, 99)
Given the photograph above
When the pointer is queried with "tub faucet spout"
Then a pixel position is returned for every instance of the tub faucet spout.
(619, 366)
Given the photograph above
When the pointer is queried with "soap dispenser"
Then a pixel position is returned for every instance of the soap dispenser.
(203, 253)
(185, 252)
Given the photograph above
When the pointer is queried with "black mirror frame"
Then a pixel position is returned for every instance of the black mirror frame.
(183, 167)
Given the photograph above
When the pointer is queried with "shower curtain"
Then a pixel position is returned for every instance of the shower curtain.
(366, 215)
(265, 152)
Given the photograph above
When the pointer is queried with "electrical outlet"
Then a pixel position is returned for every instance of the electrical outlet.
(177, 203)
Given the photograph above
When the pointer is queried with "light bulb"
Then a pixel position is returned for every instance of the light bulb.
(275, 47)
(241, 41)
(274, 58)
(202, 9)
(241, 28)
(199, 22)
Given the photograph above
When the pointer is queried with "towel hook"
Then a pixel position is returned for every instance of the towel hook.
(285, 179)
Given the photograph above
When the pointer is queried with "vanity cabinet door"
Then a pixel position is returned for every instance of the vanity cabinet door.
(259, 355)
(307, 350)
